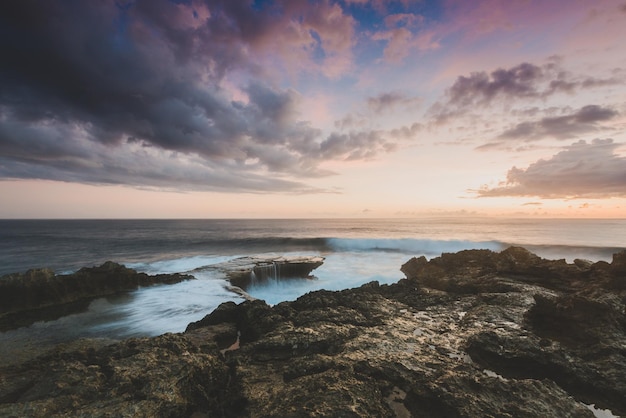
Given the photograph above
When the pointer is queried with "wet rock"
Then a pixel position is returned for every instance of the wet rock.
(243, 272)
(470, 334)
(42, 295)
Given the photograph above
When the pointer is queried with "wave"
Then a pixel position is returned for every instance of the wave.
(426, 247)
(186, 256)
(414, 246)
(246, 245)
(411, 246)
(177, 265)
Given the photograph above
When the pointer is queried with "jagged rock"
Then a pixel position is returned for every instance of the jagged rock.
(40, 294)
(465, 335)
(470, 270)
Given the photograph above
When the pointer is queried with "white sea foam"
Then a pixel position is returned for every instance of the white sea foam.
(159, 309)
(178, 265)
(339, 271)
(600, 413)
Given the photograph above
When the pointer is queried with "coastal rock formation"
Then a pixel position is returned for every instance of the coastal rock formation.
(246, 271)
(40, 294)
(476, 333)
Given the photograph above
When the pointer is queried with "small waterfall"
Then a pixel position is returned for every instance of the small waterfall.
(275, 270)
(278, 269)
(265, 272)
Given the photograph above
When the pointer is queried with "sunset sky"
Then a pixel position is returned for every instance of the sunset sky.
(297, 108)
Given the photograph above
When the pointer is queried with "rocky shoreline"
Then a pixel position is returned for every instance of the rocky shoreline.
(475, 333)
(40, 294)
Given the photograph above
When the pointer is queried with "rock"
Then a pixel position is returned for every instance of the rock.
(166, 376)
(583, 264)
(618, 266)
(40, 294)
(412, 267)
(246, 271)
(471, 270)
(618, 270)
(465, 335)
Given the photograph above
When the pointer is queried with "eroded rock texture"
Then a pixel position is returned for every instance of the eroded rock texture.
(475, 333)
(243, 272)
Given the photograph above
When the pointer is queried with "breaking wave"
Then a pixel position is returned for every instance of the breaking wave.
(426, 247)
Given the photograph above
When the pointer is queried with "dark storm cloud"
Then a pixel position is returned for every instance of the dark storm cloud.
(81, 81)
(582, 170)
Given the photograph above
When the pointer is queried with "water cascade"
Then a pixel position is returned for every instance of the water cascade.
(268, 271)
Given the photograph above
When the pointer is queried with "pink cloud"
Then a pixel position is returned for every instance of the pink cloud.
(293, 39)
(403, 36)
(582, 170)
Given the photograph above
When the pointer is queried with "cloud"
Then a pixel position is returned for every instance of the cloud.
(147, 82)
(480, 88)
(352, 121)
(356, 145)
(582, 121)
(523, 81)
(388, 101)
(582, 170)
(518, 84)
(403, 34)
(37, 152)
(407, 132)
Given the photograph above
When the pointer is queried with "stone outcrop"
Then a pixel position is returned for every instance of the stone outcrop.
(40, 294)
(244, 272)
(475, 333)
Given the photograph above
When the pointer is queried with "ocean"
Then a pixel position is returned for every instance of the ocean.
(356, 251)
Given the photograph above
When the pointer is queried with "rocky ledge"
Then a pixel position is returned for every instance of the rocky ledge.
(39, 294)
(244, 272)
(476, 333)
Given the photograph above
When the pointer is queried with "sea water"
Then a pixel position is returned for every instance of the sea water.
(356, 251)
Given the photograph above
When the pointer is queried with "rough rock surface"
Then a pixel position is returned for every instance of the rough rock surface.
(475, 333)
(246, 271)
(40, 294)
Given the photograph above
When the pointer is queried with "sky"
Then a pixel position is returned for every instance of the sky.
(303, 108)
